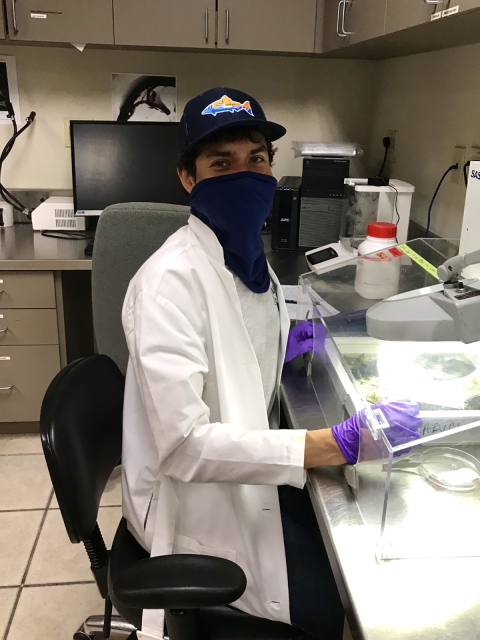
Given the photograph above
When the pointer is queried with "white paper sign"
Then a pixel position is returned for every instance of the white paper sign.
(4, 357)
(1, 316)
(450, 12)
(35, 14)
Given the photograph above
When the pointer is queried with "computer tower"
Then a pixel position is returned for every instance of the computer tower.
(286, 205)
(323, 201)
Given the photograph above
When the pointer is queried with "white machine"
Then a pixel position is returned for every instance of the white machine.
(447, 311)
(57, 214)
(390, 203)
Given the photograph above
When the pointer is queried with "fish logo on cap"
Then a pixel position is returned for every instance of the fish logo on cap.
(226, 104)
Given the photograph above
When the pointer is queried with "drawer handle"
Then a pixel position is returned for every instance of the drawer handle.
(4, 330)
(6, 388)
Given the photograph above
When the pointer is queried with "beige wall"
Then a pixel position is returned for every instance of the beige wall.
(315, 99)
(433, 99)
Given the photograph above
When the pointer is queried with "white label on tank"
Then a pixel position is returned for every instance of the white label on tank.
(1, 316)
(436, 16)
(4, 357)
(1, 281)
(450, 12)
(34, 14)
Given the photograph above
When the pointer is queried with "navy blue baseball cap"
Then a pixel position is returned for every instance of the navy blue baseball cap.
(220, 108)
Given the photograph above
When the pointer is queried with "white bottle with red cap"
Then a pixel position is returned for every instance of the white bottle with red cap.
(378, 266)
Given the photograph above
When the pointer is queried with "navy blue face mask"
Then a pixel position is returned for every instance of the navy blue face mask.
(235, 207)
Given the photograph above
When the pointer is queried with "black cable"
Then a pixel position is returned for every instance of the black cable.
(5, 193)
(452, 168)
(66, 235)
(465, 172)
(386, 144)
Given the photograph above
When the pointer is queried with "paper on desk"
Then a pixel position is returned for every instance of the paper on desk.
(290, 293)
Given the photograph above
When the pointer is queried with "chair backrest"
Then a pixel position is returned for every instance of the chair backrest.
(81, 431)
(127, 235)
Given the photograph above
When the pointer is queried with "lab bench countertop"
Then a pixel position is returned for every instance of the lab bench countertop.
(431, 599)
(22, 249)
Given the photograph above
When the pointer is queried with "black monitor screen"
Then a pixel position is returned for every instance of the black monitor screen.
(115, 162)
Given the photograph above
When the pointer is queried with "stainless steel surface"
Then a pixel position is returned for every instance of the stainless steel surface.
(21, 248)
(432, 599)
(14, 16)
(227, 25)
(206, 24)
(94, 625)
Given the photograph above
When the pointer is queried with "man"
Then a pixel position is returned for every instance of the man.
(207, 328)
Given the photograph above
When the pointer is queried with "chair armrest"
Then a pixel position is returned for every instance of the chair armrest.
(179, 581)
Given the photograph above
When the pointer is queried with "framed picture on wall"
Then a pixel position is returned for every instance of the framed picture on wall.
(144, 97)
(8, 89)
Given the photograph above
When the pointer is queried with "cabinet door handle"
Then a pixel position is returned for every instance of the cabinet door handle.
(6, 388)
(4, 330)
(14, 16)
(340, 35)
(344, 6)
(432, 1)
(206, 24)
(227, 25)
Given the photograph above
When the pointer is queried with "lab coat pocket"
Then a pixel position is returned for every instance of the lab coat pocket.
(183, 544)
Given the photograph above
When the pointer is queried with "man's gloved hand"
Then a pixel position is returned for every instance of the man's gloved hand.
(300, 339)
(402, 416)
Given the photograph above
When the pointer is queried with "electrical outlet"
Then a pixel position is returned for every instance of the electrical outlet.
(66, 131)
(458, 158)
(392, 149)
(474, 153)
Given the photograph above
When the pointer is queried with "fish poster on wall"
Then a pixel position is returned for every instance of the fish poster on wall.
(147, 98)
(8, 89)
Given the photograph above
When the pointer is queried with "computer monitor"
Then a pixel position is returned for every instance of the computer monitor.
(115, 162)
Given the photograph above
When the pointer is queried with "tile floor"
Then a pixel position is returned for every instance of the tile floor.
(46, 587)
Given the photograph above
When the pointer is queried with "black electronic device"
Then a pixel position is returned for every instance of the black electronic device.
(114, 162)
(322, 256)
(286, 206)
(323, 200)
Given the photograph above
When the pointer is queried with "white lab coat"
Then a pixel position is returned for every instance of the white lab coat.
(200, 465)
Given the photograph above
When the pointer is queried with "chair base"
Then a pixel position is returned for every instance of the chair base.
(93, 625)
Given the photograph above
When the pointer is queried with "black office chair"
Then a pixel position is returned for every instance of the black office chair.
(81, 431)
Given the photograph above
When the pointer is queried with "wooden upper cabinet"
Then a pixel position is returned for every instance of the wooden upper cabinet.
(165, 23)
(402, 14)
(267, 25)
(463, 5)
(2, 24)
(332, 35)
(79, 21)
(362, 19)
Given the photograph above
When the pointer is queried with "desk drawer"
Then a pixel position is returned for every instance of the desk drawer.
(25, 373)
(28, 326)
(27, 290)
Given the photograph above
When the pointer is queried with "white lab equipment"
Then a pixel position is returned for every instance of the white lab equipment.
(390, 203)
(326, 149)
(57, 214)
(448, 311)
(470, 235)
(378, 266)
(330, 256)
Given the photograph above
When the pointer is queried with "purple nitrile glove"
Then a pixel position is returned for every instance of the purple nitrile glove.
(301, 340)
(401, 415)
